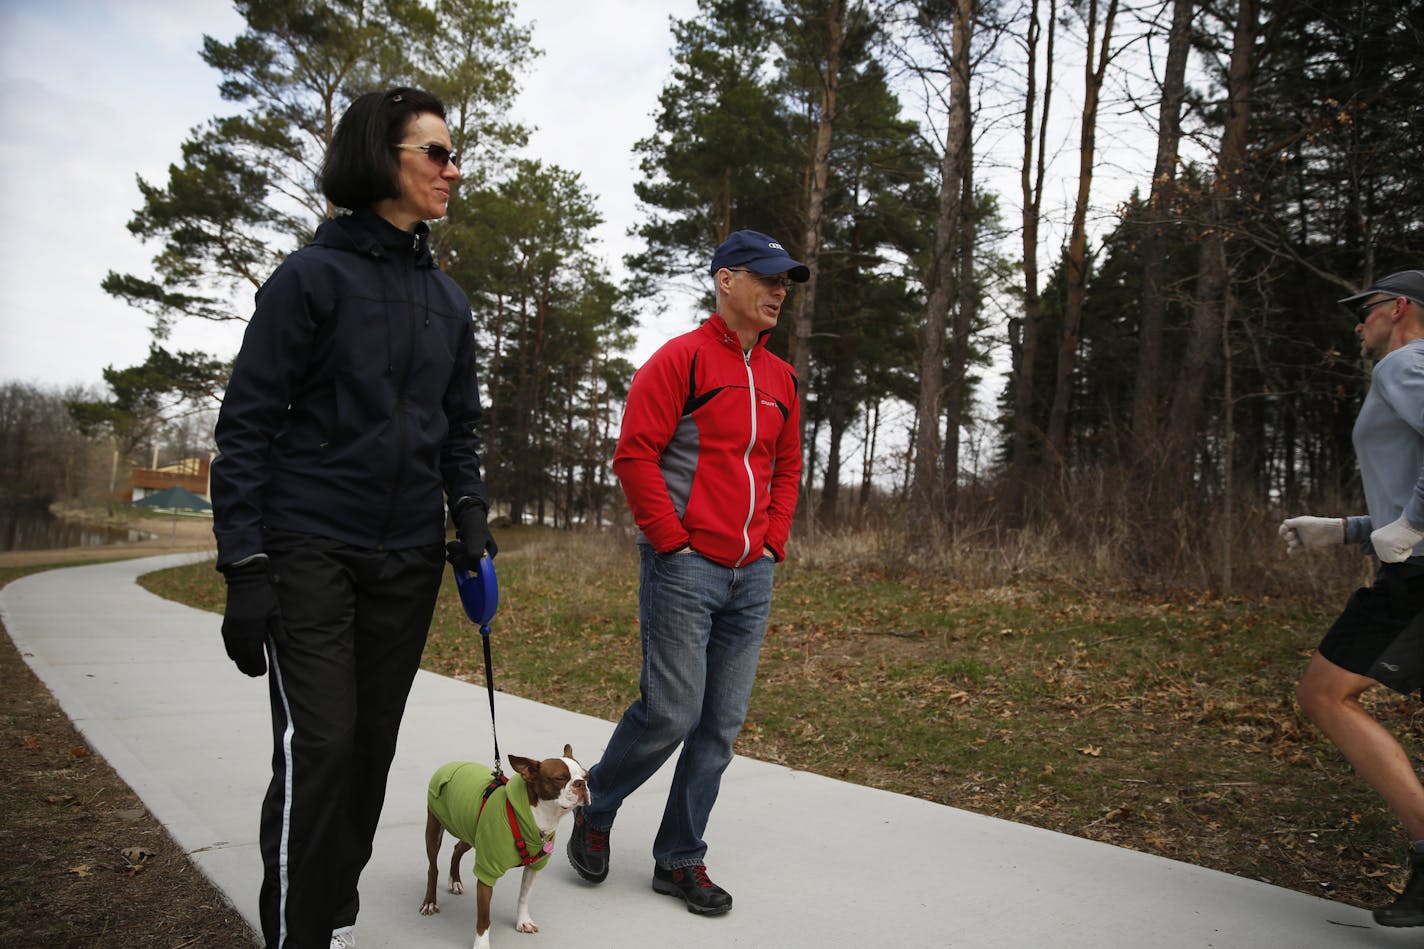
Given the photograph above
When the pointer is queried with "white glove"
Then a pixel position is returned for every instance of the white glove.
(1302, 532)
(1395, 542)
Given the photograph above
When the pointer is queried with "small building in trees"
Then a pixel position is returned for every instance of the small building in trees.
(189, 473)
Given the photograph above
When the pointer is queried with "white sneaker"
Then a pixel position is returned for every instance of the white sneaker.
(343, 938)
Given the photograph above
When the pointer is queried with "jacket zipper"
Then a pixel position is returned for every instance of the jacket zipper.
(747, 462)
(401, 395)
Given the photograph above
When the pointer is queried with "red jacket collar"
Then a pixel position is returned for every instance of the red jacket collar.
(718, 327)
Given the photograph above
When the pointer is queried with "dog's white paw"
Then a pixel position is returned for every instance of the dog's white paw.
(457, 887)
(429, 909)
(526, 925)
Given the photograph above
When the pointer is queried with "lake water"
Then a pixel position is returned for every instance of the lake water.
(33, 527)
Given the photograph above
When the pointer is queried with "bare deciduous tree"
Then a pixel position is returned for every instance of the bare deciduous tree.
(1209, 298)
(833, 16)
(1146, 386)
(1023, 332)
(928, 492)
(1094, 71)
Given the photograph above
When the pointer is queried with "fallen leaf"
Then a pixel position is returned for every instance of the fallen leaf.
(30, 743)
(80, 752)
(1090, 751)
(81, 871)
(136, 854)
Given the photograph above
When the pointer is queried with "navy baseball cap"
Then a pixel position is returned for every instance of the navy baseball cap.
(1406, 283)
(755, 251)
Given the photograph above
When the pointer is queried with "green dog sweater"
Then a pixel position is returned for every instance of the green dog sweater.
(456, 791)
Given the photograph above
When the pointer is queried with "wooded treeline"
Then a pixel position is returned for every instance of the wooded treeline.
(1184, 347)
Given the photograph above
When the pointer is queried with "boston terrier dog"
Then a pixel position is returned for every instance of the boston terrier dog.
(508, 823)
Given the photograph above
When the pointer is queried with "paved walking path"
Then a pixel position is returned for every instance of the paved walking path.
(811, 862)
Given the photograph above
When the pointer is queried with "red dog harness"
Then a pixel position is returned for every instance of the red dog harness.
(497, 782)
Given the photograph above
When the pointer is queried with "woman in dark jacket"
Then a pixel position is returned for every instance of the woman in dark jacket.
(348, 423)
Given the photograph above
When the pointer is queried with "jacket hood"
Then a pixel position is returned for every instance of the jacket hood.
(366, 232)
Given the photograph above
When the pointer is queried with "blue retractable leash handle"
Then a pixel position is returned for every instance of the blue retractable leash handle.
(479, 595)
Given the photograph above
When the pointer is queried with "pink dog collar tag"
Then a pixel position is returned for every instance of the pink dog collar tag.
(548, 846)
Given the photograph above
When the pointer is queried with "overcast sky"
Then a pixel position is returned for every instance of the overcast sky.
(95, 92)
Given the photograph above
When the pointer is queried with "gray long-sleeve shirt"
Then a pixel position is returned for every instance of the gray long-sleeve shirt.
(1389, 444)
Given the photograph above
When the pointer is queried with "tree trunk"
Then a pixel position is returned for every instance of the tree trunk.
(841, 377)
(520, 490)
(723, 206)
(1228, 455)
(1077, 264)
(927, 490)
(1023, 333)
(961, 125)
(1208, 304)
(830, 481)
(867, 455)
(1146, 388)
(816, 199)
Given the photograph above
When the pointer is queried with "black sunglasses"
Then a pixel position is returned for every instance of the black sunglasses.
(1363, 310)
(770, 280)
(436, 153)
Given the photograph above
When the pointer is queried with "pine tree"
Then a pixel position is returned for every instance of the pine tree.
(245, 194)
(722, 157)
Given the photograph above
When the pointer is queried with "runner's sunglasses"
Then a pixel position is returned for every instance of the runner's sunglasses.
(436, 153)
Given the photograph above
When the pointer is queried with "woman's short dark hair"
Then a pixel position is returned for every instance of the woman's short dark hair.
(361, 165)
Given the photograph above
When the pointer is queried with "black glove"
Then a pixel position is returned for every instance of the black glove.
(251, 615)
(472, 529)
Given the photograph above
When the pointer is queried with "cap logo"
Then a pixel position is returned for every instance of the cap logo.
(774, 245)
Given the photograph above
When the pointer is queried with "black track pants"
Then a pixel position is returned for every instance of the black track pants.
(354, 626)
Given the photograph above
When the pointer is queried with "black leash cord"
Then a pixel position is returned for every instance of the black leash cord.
(489, 685)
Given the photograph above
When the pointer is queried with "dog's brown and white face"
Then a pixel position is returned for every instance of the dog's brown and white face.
(560, 780)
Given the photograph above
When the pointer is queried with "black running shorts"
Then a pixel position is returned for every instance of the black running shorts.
(1374, 616)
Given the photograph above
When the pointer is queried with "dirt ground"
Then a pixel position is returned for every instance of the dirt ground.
(87, 867)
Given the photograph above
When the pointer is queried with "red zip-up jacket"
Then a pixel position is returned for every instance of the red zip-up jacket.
(709, 453)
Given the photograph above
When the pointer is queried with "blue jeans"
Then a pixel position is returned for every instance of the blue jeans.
(702, 626)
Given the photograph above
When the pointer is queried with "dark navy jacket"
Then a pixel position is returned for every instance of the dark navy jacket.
(353, 401)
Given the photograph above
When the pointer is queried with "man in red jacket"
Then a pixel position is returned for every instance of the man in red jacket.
(709, 457)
